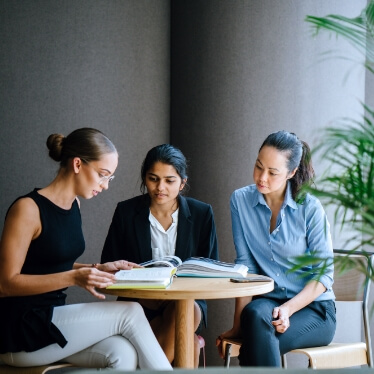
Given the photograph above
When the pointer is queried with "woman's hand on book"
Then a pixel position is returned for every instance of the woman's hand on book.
(92, 278)
(101, 275)
(113, 267)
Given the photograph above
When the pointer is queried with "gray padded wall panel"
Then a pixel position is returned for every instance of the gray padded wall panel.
(69, 64)
(240, 70)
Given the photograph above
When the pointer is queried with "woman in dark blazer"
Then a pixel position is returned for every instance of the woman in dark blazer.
(162, 222)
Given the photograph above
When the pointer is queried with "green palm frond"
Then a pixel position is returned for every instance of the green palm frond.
(317, 267)
(348, 148)
(348, 182)
(359, 31)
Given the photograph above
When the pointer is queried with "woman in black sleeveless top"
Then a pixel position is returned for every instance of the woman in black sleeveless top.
(41, 240)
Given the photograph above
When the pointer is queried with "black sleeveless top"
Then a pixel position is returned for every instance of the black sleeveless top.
(25, 323)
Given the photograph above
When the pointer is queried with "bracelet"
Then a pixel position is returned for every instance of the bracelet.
(96, 266)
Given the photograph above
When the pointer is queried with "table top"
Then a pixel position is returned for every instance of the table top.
(184, 288)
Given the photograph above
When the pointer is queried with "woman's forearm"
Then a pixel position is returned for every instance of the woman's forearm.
(308, 294)
(26, 285)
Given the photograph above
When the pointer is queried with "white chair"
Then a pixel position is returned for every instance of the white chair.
(5, 369)
(353, 271)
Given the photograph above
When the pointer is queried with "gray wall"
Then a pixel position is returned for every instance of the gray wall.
(70, 64)
(239, 70)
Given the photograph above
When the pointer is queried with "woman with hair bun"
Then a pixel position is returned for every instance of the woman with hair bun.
(41, 240)
(273, 222)
(163, 222)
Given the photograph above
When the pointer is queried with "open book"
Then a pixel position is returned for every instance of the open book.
(199, 267)
(157, 277)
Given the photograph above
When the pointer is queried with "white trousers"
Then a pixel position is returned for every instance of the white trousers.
(113, 334)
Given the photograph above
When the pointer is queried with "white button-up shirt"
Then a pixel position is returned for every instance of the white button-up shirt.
(163, 242)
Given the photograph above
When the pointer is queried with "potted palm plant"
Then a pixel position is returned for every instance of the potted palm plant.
(348, 146)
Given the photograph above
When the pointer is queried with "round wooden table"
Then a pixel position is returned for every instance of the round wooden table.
(184, 290)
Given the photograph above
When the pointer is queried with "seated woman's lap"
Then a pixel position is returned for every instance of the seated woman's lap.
(308, 328)
(262, 345)
(114, 352)
(84, 325)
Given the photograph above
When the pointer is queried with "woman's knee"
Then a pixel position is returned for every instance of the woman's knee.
(114, 352)
(197, 317)
(122, 354)
(131, 309)
(253, 313)
(256, 314)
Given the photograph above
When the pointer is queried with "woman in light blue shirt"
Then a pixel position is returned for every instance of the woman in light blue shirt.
(272, 224)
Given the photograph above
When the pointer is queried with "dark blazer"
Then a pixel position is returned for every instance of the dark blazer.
(129, 236)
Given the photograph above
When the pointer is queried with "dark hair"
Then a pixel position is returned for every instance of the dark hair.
(167, 154)
(298, 156)
(86, 143)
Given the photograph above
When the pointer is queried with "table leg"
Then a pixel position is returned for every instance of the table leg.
(184, 334)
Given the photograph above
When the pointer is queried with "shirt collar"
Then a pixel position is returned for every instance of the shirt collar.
(288, 199)
(258, 198)
(154, 222)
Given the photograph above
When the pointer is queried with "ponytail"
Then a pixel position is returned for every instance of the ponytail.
(304, 175)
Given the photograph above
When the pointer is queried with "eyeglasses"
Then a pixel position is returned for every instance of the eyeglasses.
(103, 178)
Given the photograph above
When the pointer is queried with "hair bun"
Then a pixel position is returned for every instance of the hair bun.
(55, 142)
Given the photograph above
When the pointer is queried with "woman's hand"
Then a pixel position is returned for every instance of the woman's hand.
(91, 278)
(233, 333)
(281, 315)
(100, 275)
(113, 267)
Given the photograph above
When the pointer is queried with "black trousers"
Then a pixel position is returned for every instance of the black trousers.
(311, 326)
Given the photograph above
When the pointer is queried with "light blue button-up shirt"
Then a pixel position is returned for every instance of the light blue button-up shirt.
(300, 229)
